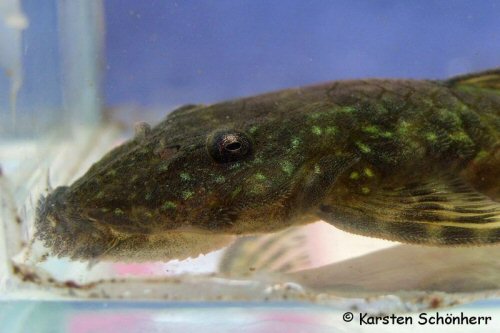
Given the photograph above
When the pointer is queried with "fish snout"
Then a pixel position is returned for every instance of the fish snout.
(66, 232)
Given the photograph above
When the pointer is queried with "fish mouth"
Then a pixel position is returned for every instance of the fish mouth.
(67, 233)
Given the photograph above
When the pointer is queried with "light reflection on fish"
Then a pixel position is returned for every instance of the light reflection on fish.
(416, 161)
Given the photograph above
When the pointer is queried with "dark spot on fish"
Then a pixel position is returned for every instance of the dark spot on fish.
(418, 215)
(405, 230)
(430, 198)
(456, 235)
(479, 218)
(428, 206)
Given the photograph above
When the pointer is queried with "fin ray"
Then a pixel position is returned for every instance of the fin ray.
(445, 211)
(278, 252)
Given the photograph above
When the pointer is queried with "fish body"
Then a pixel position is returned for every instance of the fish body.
(416, 161)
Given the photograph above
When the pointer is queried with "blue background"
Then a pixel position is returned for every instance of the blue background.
(162, 54)
(167, 53)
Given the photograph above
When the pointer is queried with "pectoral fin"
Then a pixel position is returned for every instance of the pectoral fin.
(283, 251)
(442, 211)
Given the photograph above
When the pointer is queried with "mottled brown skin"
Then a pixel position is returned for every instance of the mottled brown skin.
(407, 160)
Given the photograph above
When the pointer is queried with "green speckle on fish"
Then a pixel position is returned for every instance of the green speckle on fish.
(330, 130)
(163, 167)
(185, 176)
(368, 172)
(316, 130)
(187, 194)
(295, 142)
(220, 179)
(403, 128)
(316, 115)
(287, 167)
(252, 129)
(371, 129)
(364, 148)
(317, 169)
(354, 175)
(461, 137)
(260, 176)
(348, 109)
(432, 137)
(168, 205)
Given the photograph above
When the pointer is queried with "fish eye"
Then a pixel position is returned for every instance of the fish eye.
(228, 146)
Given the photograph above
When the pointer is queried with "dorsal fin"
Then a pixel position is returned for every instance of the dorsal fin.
(489, 79)
(183, 109)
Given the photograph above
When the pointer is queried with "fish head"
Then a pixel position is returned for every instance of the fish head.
(203, 168)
